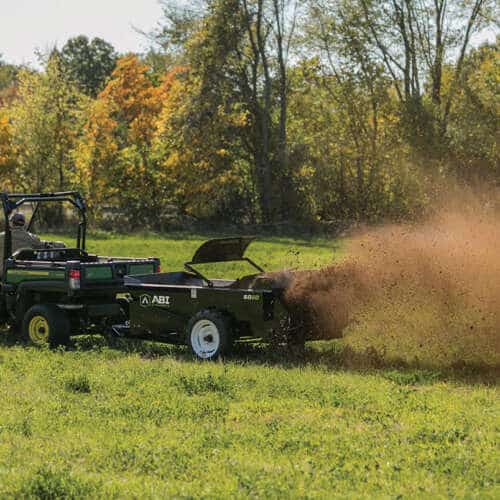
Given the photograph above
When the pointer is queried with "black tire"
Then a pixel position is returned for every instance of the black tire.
(209, 335)
(46, 324)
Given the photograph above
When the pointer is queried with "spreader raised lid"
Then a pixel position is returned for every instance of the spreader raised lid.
(222, 250)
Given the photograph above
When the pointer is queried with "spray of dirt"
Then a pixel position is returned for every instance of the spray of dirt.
(427, 293)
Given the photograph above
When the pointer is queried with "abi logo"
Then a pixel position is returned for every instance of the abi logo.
(155, 300)
(145, 300)
(161, 300)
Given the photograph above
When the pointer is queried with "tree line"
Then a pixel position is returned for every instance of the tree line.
(263, 111)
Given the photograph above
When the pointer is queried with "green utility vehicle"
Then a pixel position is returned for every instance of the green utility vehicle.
(48, 294)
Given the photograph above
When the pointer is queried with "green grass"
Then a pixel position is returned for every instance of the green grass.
(271, 253)
(142, 420)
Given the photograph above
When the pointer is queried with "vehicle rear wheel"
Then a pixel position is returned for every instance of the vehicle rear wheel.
(46, 324)
(209, 335)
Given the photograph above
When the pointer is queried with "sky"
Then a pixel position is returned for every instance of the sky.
(28, 25)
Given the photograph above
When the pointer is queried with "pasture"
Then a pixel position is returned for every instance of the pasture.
(143, 420)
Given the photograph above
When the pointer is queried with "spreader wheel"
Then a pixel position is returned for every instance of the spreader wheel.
(209, 335)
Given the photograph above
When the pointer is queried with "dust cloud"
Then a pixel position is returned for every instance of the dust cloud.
(427, 293)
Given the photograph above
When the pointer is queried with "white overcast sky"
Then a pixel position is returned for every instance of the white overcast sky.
(28, 25)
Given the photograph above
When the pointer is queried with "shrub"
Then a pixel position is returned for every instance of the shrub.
(49, 484)
(203, 384)
(79, 384)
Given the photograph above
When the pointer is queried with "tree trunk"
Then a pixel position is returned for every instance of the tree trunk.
(265, 163)
(283, 99)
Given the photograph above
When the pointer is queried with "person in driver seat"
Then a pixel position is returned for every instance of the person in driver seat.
(21, 238)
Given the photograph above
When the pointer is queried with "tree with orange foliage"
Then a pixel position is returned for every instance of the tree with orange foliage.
(133, 100)
(96, 154)
(113, 156)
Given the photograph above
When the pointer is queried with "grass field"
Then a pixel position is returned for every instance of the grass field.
(142, 420)
(272, 253)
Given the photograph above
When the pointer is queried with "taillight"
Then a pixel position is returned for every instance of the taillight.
(158, 268)
(74, 278)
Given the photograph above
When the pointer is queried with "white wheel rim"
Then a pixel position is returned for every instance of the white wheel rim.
(205, 338)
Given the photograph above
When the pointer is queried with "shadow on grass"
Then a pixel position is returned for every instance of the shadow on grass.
(7, 339)
(338, 357)
(333, 356)
(330, 356)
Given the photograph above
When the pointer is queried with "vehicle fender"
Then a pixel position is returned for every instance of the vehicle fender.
(220, 310)
(23, 298)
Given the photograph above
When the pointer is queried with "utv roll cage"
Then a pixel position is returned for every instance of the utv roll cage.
(12, 201)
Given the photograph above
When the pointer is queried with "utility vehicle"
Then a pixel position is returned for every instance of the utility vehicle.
(48, 294)
(207, 314)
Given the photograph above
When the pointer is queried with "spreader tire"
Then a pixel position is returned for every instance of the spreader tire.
(46, 325)
(209, 335)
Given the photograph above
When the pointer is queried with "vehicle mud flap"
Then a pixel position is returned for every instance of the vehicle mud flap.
(4, 316)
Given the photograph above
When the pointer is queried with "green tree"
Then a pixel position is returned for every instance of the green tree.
(199, 143)
(8, 74)
(7, 151)
(239, 50)
(344, 134)
(89, 62)
(45, 123)
(413, 40)
(474, 122)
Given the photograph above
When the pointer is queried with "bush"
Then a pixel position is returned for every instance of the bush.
(198, 385)
(79, 384)
(49, 484)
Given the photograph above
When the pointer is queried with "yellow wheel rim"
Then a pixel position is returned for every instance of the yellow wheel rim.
(39, 330)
